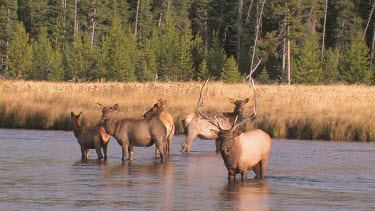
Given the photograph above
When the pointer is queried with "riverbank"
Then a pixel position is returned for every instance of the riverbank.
(334, 112)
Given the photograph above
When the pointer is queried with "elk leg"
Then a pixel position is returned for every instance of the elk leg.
(243, 175)
(87, 153)
(99, 152)
(170, 137)
(186, 145)
(231, 176)
(257, 170)
(156, 152)
(125, 148)
(160, 146)
(105, 151)
(83, 152)
(263, 167)
(131, 152)
(217, 145)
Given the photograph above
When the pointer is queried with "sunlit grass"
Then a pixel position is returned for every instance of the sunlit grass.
(336, 112)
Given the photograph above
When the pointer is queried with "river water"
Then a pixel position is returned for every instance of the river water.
(43, 170)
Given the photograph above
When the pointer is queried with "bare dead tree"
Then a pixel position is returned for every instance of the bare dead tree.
(369, 20)
(93, 22)
(248, 15)
(259, 22)
(324, 28)
(136, 20)
(75, 17)
(239, 27)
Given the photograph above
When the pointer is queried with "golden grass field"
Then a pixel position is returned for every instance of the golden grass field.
(332, 112)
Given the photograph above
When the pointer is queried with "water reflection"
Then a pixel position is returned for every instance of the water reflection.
(302, 175)
(247, 195)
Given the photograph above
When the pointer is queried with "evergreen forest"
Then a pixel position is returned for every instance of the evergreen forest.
(287, 41)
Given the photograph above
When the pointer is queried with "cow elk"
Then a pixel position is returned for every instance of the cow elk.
(198, 126)
(94, 138)
(134, 132)
(164, 116)
(242, 151)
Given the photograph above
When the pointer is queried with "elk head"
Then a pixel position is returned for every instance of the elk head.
(107, 111)
(227, 137)
(238, 110)
(156, 109)
(75, 119)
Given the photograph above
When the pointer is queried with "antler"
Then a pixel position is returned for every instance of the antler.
(200, 103)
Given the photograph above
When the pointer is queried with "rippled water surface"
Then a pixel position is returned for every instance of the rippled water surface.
(43, 170)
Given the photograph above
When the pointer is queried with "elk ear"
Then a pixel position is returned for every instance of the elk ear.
(100, 106)
(164, 102)
(232, 100)
(215, 132)
(246, 101)
(115, 106)
(80, 113)
(72, 114)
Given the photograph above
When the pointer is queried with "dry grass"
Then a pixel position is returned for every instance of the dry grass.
(337, 112)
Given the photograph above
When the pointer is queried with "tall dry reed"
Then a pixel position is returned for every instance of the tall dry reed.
(337, 112)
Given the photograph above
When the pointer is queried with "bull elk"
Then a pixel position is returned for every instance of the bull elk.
(158, 110)
(134, 132)
(198, 126)
(94, 138)
(242, 151)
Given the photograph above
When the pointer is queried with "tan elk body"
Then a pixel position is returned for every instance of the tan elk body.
(244, 151)
(197, 126)
(134, 132)
(93, 138)
(241, 151)
(168, 121)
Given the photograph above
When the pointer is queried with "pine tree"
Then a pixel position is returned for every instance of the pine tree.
(230, 73)
(263, 76)
(90, 69)
(8, 24)
(121, 52)
(203, 73)
(185, 63)
(215, 58)
(169, 50)
(20, 54)
(144, 24)
(354, 65)
(46, 61)
(308, 68)
(331, 66)
(199, 53)
(147, 67)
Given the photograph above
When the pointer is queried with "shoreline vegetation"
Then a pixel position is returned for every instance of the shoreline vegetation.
(327, 112)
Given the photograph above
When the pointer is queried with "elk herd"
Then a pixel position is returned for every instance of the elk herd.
(241, 149)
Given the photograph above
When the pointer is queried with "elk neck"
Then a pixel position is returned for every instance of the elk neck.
(77, 129)
(110, 126)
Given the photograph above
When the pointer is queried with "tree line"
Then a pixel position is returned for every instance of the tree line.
(293, 41)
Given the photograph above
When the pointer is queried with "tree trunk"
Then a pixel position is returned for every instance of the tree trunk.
(372, 45)
(239, 26)
(248, 17)
(206, 31)
(75, 17)
(136, 20)
(324, 29)
(259, 22)
(369, 20)
(93, 24)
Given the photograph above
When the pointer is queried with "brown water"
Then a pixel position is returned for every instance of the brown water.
(43, 170)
